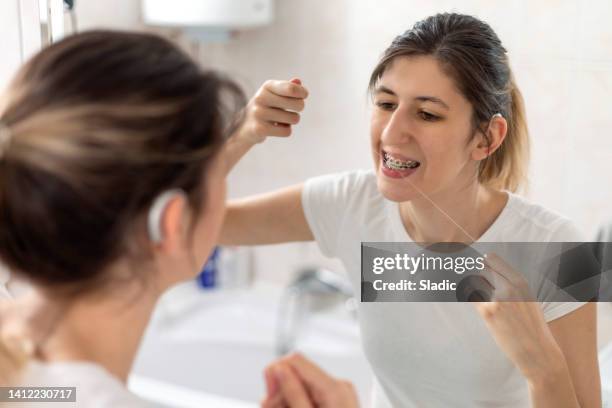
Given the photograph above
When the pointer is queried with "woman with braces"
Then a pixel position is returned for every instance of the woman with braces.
(449, 144)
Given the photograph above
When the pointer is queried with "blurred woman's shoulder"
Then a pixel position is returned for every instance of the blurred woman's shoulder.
(94, 386)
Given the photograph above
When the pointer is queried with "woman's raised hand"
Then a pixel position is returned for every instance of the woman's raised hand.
(516, 321)
(296, 382)
(273, 110)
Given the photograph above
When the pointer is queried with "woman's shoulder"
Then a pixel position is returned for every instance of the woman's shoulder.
(347, 181)
(94, 384)
(534, 222)
(349, 188)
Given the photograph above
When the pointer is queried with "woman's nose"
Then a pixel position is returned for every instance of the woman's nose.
(398, 129)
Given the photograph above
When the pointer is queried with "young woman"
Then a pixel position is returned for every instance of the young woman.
(112, 189)
(449, 144)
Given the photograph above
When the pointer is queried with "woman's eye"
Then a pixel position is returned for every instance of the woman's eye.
(428, 116)
(385, 105)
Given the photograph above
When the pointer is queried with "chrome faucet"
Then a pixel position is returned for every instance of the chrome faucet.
(310, 283)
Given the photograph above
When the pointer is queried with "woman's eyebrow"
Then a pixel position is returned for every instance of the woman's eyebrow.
(383, 89)
(432, 99)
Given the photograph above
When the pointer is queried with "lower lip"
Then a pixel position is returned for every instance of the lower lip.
(396, 173)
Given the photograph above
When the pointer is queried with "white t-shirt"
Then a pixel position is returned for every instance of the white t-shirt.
(426, 354)
(95, 386)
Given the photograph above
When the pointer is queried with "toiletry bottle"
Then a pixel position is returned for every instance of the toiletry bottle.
(207, 278)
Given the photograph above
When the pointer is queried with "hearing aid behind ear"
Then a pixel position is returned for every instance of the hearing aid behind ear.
(496, 115)
(156, 211)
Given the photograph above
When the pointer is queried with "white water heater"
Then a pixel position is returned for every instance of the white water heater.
(208, 17)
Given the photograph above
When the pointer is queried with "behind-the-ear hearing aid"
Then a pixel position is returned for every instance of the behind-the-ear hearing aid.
(496, 115)
(156, 212)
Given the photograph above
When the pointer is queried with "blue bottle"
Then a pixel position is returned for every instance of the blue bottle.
(207, 278)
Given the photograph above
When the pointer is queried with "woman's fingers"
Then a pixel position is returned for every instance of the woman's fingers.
(502, 268)
(276, 401)
(302, 384)
(325, 390)
(311, 373)
(271, 382)
(511, 285)
(495, 281)
(294, 393)
(266, 128)
(271, 100)
(273, 110)
(275, 115)
(287, 88)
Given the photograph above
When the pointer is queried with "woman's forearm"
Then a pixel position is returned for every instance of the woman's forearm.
(552, 387)
(235, 148)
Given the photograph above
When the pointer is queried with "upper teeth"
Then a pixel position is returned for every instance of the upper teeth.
(399, 164)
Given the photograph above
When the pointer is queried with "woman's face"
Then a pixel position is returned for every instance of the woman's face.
(420, 131)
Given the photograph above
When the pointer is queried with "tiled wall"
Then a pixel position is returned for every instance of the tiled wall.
(561, 52)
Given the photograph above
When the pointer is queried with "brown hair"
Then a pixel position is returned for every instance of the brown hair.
(101, 123)
(471, 53)
(92, 130)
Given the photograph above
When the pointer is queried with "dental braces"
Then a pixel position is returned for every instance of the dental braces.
(400, 165)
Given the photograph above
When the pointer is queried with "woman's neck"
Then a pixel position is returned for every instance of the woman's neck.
(103, 329)
(461, 215)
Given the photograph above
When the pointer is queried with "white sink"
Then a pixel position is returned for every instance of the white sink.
(218, 343)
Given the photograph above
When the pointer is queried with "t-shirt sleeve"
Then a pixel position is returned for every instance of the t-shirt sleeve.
(326, 200)
(564, 231)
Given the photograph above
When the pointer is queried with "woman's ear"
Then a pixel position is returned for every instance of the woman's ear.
(168, 221)
(490, 142)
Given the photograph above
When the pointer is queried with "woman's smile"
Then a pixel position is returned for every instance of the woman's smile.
(395, 165)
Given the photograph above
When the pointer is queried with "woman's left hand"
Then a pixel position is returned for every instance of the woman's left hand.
(296, 382)
(517, 323)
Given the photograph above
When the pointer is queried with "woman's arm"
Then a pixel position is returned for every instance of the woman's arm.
(269, 218)
(278, 216)
(558, 359)
(576, 335)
